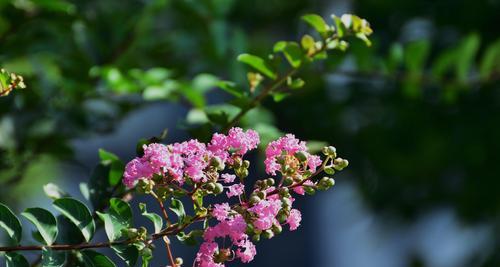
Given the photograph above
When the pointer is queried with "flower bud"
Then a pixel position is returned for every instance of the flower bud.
(330, 151)
(218, 188)
(284, 191)
(282, 217)
(268, 234)
(270, 181)
(242, 173)
(309, 190)
(237, 162)
(277, 229)
(179, 261)
(254, 199)
(256, 237)
(217, 163)
(339, 164)
(301, 156)
(329, 170)
(130, 232)
(246, 164)
(287, 181)
(210, 186)
(261, 194)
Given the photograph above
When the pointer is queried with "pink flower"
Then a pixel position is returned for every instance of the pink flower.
(266, 211)
(235, 190)
(228, 178)
(221, 211)
(294, 219)
(288, 144)
(313, 161)
(204, 257)
(236, 142)
(135, 170)
(157, 155)
(247, 251)
(300, 189)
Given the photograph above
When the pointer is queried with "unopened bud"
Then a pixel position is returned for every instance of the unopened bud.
(287, 181)
(254, 199)
(270, 181)
(268, 234)
(330, 151)
(301, 156)
(277, 228)
(246, 164)
(218, 188)
(329, 170)
(179, 261)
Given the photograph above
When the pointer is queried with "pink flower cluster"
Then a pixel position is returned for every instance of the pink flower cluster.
(209, 166)
(211, 255)
(288, 145)
(188, 160)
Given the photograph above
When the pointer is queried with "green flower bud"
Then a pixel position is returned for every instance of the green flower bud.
(242, 173)
(254, 199)
(270, 181)
(210, 186)
(339, 164)
(237, 162)
(256, 237)
(217, 163)
(246, 164)
(268, 234)
(309, 190)
(282, 217)
(330, 151)
(179, 261)
(284, 191)
(301, 156)
(218, 188)
(261, 194)
(277, 229)
(287, 181)
(329, 170)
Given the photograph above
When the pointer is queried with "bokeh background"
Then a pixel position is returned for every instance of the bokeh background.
(417, 114)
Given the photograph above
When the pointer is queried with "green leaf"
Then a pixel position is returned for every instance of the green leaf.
(190, 238)
(44, 221)
(292, 51)
(116, 166)
(308, 43)
(467, 49)
(317, 22)
(14, 259)
(295, 83)
(53, 191)
(147, 256)
(155, 218)
(415, 55)
(10, 223)
(68, 232)
(52, 258)
(178, 208)
(107, 157)
(490, 60)
(339, 26)
(231, 88)
(95, 259)
(119, 217)
(128, 253)
(259, 64)
(78, 214)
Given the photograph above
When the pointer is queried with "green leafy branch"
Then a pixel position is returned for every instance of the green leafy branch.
(9, 82)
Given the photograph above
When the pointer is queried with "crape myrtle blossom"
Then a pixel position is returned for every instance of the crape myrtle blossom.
(197, 170)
